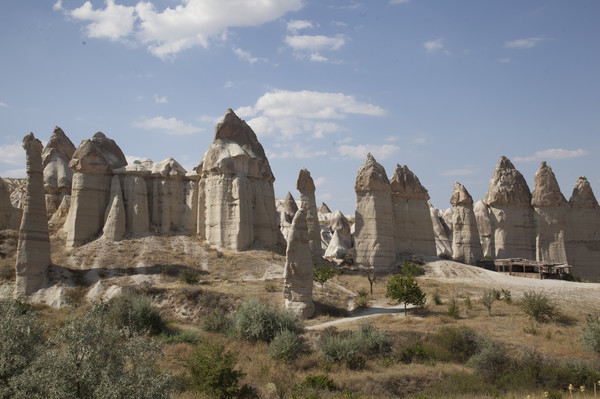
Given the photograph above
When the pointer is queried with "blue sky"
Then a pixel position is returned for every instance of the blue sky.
(445, 87)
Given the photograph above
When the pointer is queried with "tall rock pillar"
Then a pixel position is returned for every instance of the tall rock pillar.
(484, 227)
(374, 226)
(511, 213)
(466, 246)
(57, 174)
(583, 236)
(550, 210)
(306, 186)
(33, 250)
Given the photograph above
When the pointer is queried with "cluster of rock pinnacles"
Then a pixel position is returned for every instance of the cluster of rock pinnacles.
(91, 192)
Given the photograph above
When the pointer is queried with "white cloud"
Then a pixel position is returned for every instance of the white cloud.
(315, 43)
(291, 113)
(131, 158)
(434, 45)
(505, 60)
(114, 22)
(171, 30)
(229, 84)
(246, 56)
(296, 25)
(523, 43)
(3, 104)
(316, 57)
(12, 154)
(160, 100)
(360, 151)
(555, 153)
(320, 181)
(460, 172)
(57, 6)
(296, 152)
(399, 1)
(169, 126)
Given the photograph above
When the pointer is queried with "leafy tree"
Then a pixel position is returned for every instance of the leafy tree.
(372, 277)
(538, 306)
(323, 273)
(412, 269)
(487, 299)
(404, 289)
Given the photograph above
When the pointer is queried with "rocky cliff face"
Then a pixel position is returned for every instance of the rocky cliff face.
(135, 195)
(443, 246)
(10, 217)
(298, 273)
(413, 230)
(550, 217)
(374, 226)
(287, 213)
(306, 186)
(92, 164)
(341, 240)
(484, 227)
(583, 236)
(33, 249)
(115, 219)
(237, 201)
(58, 175)
(466, 246)
(511, 213)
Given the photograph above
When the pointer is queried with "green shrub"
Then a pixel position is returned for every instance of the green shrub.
(490, 360)
(212, 370)
(271, 287)
(90, 357)
(590, 335)
(497, 294)
(189, 276)
(453, 309)
(216, 321)
(285, 346)
(186, 336)
(487, 299)
(437, 299)
(412, 269)
(404, 289)
(371, 341)
(255, 321)
(353, 348)
(458, 343)
(320, 381)
(413, 353)
(538, 306)
(506, 296)
(323, 273)
(361, 300)
(468, 304)
(136, 312)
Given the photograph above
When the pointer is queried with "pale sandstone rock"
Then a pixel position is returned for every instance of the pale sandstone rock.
(306, 186)
(447, 217)
(324, 208)
(287, 213)
(443, 247)
(237, 201)
(58, 175)
(583, 236)
(10, 217)
(33, 249)
(167, 195)
(374, 227)
(190, 206)
(337, 247)
(135, 195)
(413, 229)
(93, 163)
(511, 213)
(326, 234)
(550, 217)
(115, 219)
(59, 217)
(339, 224)
(298, 273)
(466, 246)
(484, 227)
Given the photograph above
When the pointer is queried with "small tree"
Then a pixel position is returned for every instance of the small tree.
(323, 273)
(404, 289)
(370, 273)
(487, 299)
(538, 306)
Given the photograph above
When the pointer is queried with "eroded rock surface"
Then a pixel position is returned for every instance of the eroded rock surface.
(443, 246)
(484, 228)
(115, 220)
(10, 217)
(466, 245)
(306, 186)
(298, 273)
(58, 175)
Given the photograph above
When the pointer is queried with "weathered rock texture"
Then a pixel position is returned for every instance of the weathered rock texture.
(58, 175)
(236, 206)
(447, 216)
(413, 230)
(583, 236)
(288, 211)
(337, 247)
(374, 226)
(443, 246)
(135, 195)
(324, 208)
(484, 227)
(93, 163)
(10, 217)
(298, 273)
(511, 213)
(550, 212)
(306, 186)
(33, 250)
(169, 188)
(115, 220)
(466, 246)
(339, 224)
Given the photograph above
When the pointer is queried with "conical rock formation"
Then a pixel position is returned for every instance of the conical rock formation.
(339, 224)
(374, 227)
(58, 175)
(288, 211)
(115, 224)
(443, 247)
(33, 249)
(337, 247)
(306, 186)
(484, 228)
(298, 273)
(466, 246)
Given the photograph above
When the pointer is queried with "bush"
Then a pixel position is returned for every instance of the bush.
(490, 361)
(216, 321)
(271, 287)
(319, 382)
(437, 299)
(412, 269)
(459, 343)
(211, 370)
(186, 336)
(538, 306)
(371, 341)
(323, 273)
(453, 309)
(286, 346)
(21, 340)
(339, 349)
(506, 296)
(361, 300)
(404, 289)
(90, 357)
(189, 276)
(413, 353)
(590, 335)
(487, 299)
(353, 348)
(255, 321)
(136, 312)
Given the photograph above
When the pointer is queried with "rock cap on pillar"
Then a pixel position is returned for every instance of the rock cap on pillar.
(507, 186)
(371, 176)
(546, 192)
